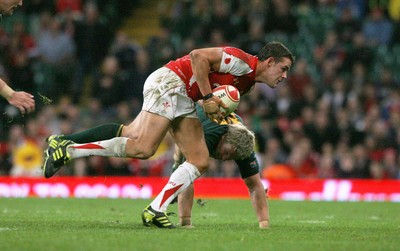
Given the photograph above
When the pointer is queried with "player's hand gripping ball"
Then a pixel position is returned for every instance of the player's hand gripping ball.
(230, 96)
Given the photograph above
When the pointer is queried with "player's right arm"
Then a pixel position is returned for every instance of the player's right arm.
(203, 61)
(258, 199)
(249, 170)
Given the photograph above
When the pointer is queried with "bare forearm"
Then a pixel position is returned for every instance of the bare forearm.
(260, 205)
(20, 99)
(5, 90)
(258, 199)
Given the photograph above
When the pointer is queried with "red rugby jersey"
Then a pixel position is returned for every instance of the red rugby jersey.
(237, 69)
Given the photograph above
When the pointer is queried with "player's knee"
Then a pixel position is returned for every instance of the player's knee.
(202, 164)
(128, 132)
(140, 152)
(148, 152)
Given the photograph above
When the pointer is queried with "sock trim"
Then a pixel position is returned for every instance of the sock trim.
(119, 132)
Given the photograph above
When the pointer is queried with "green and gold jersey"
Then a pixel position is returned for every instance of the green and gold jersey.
(213, 133)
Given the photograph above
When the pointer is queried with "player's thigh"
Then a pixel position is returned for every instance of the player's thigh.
(131, 131)
(147, 131)
(189, 136)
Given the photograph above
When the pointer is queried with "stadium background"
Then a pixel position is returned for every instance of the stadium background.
(337, 115)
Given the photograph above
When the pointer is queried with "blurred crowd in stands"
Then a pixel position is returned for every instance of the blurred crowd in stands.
(336, 116)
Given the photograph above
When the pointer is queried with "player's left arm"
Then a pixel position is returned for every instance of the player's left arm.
(22, 100)
(258, 199)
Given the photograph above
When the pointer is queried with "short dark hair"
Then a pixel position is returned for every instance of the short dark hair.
(276, 50)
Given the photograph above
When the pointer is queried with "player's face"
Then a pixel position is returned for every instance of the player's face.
(272, 72)
(7, 7)
(225, 151)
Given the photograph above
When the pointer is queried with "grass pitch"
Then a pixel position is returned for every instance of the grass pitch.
(115, 224)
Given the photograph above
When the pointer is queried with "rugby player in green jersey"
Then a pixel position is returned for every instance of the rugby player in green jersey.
(229, 140)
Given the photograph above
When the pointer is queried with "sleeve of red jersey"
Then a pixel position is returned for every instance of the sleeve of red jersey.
(235, 61)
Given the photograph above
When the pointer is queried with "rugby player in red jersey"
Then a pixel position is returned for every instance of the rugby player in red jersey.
(170, 94)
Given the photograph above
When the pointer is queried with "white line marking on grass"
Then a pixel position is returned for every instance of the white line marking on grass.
(7, 211)
(209, 214)
(375, 218)
(312, 221)
(5, 229)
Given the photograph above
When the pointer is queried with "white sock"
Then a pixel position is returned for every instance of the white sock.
(183, 176)
(114, 147)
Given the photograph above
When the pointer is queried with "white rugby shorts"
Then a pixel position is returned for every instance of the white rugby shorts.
(164, 93)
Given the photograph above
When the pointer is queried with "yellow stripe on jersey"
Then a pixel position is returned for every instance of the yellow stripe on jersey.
(231, 119)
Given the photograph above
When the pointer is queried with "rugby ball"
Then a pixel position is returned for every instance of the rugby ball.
(230, 96)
